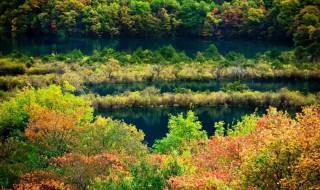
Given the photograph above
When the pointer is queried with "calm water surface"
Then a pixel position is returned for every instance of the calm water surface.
(42, 45)
(210, 85)
(154, 121)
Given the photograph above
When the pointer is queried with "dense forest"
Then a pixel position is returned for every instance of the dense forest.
(159, 118)
(288, 20)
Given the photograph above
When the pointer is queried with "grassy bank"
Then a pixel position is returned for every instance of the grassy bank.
(151, 98)
(80, 76)
(165, 64)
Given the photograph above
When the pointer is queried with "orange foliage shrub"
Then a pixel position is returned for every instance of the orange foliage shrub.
(203, 181)
(221, 157)
(217, 165)
(52, 129)
(282, 153)
(80, 170)
(267, 159)
(156, 159)
(41, 180)
(306, 170)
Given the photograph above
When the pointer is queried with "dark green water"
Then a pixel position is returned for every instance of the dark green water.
(43, 45)
(210, 85)
(154, 121)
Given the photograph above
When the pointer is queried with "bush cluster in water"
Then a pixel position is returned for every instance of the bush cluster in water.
(169, 55)
(151, 97)
(166, 63)
(236, 86)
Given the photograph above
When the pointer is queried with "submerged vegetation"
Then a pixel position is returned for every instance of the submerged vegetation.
(164, 64)
(150, 97)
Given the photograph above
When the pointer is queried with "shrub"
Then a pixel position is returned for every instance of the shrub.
(219, 128)
(245, 126)
(145, 174)
(236, 86)
(14, 117)
(282, 98)
(271, 152)
(213, 53)
(55, 132)
(11, 68)
(41, 179)
(16, 158)
(80, 170)
(197, 182)
(111, 136)
(182, 131)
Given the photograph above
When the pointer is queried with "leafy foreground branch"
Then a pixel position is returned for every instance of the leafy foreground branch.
(51, 140)
(151, 98)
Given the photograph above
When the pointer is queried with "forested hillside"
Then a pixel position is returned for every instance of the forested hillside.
(287, 20)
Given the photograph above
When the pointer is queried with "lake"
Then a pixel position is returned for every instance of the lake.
(43, 45)
(154, 121)
(206, 85)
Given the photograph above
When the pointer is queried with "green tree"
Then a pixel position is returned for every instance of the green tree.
(109, 135)
(213, 53)
(245, 126)
(18, 157)
(219, 128)
(192, 15)
(142, 175)
(109, 16)
(137, 7)
(182, 131)
(14, 115)
(169, 5)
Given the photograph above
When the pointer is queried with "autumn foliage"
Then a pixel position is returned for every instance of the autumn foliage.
(282, 153)
(80, 170)
(57, 151)
(41, 180)
(306, 170)
(54, 130)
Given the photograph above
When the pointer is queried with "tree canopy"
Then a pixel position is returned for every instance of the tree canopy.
(298, 21)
